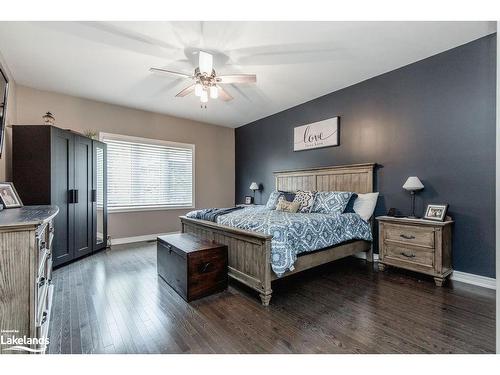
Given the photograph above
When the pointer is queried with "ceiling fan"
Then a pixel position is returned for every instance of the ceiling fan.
(206, 82)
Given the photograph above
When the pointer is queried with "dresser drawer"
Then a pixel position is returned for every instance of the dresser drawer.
(411, 254)
(411, 235)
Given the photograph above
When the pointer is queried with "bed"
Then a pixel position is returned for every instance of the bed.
(250, 252)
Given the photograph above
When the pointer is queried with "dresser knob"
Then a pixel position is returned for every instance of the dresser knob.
(407, 255)
(407, 237)
(44, 318)
(41, 282)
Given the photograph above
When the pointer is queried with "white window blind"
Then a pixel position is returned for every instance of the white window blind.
(145, 173)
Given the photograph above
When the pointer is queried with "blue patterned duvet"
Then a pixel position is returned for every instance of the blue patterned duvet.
(296, 233)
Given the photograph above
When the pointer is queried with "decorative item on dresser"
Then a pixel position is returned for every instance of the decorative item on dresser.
(26, 235)
(60, 167)
(193, 267)
(250, 252)
(8, 196)
(417, 245)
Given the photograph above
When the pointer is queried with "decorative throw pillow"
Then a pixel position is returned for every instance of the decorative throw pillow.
(273, 200)
(289, 196)
(286, 206)
(331, 202)
(306, 200)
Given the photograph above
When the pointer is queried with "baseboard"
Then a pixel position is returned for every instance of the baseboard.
(470, 278)
(362, 255)
(144, 238)
(463, 277)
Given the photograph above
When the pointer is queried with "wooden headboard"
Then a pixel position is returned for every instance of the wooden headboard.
(355, 177)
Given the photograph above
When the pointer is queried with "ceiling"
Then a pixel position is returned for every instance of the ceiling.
(294, 61)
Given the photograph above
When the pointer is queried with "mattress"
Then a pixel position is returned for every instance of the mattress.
(296, 233)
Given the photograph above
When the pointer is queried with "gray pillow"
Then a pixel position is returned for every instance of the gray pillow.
(273, 200)
(331, 202)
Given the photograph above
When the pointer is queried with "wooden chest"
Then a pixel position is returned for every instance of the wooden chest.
(193, 267)
(417, 245)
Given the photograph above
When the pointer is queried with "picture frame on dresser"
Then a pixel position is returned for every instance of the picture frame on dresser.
(9, 196)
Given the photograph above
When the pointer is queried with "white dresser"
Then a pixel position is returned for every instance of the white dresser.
(26, 235)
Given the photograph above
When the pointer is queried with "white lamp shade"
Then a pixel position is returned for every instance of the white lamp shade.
(254, 186)
(198, 89)
(214, 92)
(204, 96)
(413, 183)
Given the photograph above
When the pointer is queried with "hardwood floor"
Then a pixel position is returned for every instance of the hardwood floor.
(113, 302)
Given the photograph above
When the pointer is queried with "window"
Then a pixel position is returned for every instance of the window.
(146, 174)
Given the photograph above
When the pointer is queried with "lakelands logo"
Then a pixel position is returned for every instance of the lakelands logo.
(22, 344)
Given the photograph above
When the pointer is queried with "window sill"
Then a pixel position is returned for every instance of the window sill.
(154, 208)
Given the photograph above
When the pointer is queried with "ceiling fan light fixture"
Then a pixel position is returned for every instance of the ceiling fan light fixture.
(198, 89)
(204, 96)
(206, 62)
(214, 92)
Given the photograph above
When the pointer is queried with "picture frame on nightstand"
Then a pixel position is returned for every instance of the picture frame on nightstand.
(248, 199)
(436, 212)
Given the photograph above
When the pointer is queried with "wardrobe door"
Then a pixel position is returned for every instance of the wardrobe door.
(62, 183)
(82, 196)
(99, 196)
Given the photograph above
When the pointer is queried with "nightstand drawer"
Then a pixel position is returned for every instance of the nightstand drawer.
(411, 254)
(411, 235)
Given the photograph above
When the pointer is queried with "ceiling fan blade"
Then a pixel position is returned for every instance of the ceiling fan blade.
(188, 90)
(206, 62)
(169, 72)
(224, 95)
(237, 78)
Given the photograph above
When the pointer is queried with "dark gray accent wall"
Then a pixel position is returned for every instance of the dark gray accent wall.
(434, 119)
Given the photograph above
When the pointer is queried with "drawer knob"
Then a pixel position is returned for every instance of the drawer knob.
(41, 282)
(169, 247)
(407, 255)
(44, 318)
(407, 236)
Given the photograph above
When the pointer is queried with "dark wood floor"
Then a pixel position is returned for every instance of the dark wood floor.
(113, 302)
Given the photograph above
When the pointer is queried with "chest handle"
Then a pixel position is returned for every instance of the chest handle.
(407, 255)
(205, 267)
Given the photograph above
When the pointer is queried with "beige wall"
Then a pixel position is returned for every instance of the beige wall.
(214, 153)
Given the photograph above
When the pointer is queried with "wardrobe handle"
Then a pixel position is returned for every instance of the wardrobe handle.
(71, 196)
(93, 195)
(75, 200)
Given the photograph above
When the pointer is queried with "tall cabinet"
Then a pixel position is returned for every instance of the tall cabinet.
(59, 167)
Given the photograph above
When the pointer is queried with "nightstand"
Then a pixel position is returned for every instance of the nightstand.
(417, 245)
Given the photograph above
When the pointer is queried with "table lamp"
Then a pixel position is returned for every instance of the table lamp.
(413, 184)
(254, 186)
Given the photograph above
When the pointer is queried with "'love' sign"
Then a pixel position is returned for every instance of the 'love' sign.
(316, 135)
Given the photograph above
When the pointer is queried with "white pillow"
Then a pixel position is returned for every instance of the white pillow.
(364, 205)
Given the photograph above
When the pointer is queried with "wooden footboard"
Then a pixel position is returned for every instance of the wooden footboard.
(249, 253)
